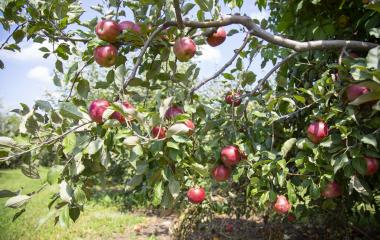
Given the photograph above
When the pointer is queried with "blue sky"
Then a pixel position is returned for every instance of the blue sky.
(28, 76)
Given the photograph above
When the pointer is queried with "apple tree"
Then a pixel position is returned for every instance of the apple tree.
(301, 143)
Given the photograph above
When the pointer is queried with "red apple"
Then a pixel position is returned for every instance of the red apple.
(107, 30)
(172, 112)
(354, 91)
(128, 25)
(190, 125)
(196, 195)
(317, 131)
(118, 116)
(97, 108)
(105, 55)
(229, 227)
(332, 190)
(230, 155)
(159, 132)
(184, 49)
(221, 173)
(291, 217)
(372, 165)
(233, 99)
(282, 205)
(217, 37)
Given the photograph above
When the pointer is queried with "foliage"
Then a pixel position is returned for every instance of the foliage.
(269, 127)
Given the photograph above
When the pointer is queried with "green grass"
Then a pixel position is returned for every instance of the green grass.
(97, 221)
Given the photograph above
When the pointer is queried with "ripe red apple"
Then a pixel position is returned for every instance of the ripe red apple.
(172, 112)
(233, 99)
(105, 55)
(354, 91)
(217, 38)
(107, 30)
(184, 49)
(291, 217)
(221, 173)
(372, 165)
(229, 227)
(282, 205)
(97, 108)
(130, 26)
(230, 155)
(190, 125)
(317, 131)
(159, 132)
(118, 116)
(196, 195)
(332, 190)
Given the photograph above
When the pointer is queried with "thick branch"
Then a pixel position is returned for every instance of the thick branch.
(225, 66)
(178, 15)
(266, 77)
(47, 142)
(277, 40)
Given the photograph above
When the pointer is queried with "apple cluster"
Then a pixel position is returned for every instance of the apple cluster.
(319, 130)
(109, 31)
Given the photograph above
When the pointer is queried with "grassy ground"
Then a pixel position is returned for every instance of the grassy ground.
(97, 222)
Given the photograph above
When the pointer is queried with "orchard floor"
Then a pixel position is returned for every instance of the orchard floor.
(103, 219)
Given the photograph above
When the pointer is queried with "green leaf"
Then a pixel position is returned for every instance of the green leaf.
(370, 140)
(205, 5)
(186, 9)
(18, 35)
(174, 187)
(134, 182)
(59, 66)
(65, 192)
(158, 192)
(7, 193)
(54, 173)
(373, 58)
(83, 88)
(69, 143)
(80, 196)
(17, 201)
(71, 72)
(357, 185)
(30, 170)
(287, 146)
(359, 165)
(71, 111)
(74, 213)
(64, 217)
(164, 106)
(7, 141)
(340, 162)
(95, 146)
(177, 129)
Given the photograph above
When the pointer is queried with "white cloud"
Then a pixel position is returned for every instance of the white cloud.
(29, 52)
(209, 54)
(39, 73)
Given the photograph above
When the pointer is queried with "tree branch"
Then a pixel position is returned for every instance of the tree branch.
(10, 35)
(47, 142)
(295, 113)
(76, 78)
(140, 57)
(266, 77)
(177, 9)
(225, 66)
(277, 40)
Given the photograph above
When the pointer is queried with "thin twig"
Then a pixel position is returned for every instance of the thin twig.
(342, 53)
(48, 142)
(76, 78)
(225, 66)
(140, 57)
(295, 113)
(177, 9)
(266, 77)
(10, 35)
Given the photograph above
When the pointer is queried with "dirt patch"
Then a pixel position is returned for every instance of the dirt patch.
(225, 228)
